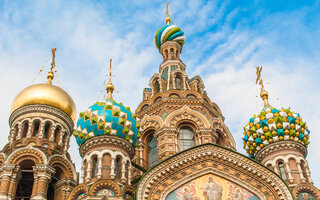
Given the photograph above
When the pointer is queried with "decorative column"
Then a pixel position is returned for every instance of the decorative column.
(52, 135)
(129, 173)
(184, 83)
(61, 137)
(308, 174)
(99, 173)
(112, 173)
(12, 135)
(13, 181)
(6, 178)
(290, 178)
(82, 173)
(41, 131)
(30, 126)
(64, 187)
(43, 174)
(123, 172)
(19, 131)
(302, 178)
(89, 171)
(174, 82)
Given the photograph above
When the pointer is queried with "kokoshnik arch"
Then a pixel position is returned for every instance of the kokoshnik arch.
(175, 146)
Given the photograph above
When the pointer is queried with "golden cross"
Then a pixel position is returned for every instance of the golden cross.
(263, 94)
(168, 20)
(110, 70)
(50, 75)
(259, 69)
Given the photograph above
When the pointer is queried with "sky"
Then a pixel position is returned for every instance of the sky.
(225, 41)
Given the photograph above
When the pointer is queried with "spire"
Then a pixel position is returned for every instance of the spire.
(168, 20)
(50, 75)
(263, 94)
(110, 86)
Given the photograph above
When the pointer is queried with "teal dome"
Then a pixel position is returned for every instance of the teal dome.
(169, 33)
(107, 118)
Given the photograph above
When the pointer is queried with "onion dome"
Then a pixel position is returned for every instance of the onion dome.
(272, 125)
(169, 33)
(46, 94)
(107, 118)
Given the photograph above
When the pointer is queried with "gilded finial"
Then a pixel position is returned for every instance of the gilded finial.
(50, 75)
(263, 94)
(168, 20)
(110, 86)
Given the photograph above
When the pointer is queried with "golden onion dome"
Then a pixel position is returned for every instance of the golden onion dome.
(45, 94)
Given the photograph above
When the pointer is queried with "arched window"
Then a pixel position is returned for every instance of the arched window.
(152, 151)
(178, 83)
(25, 129)
(46, 130)
(25, 182)
(157, 86)
(171, 53)
(57, 134)
(94, 166)
(282, 171)
(36, 128)
(117, 167)
(186, 138)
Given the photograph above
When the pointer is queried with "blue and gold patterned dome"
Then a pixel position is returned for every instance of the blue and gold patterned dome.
(107, 118)
(169, 33)
(273, 125)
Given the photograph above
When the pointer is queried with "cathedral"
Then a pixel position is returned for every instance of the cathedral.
(174, 146)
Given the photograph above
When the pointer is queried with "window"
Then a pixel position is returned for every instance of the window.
(46, 130)
(57, 134)
(117, 167)
(178, 83)
(157, 86)
(186, 138)
(152, 151)
(94, 167)
(25, 129)
(36, 128)
(282, 171)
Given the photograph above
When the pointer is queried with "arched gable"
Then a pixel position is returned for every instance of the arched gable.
(215, 160)
(25, 153)
(186, 113)
(65, 164)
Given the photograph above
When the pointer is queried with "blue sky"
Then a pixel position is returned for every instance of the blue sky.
(226, 40)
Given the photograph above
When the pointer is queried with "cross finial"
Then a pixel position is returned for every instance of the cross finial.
(263, 94)
(110, 86)
(50, 75)
(168, 20)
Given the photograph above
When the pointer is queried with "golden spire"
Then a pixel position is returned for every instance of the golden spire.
(263, 94)
(110, 86)
(168, 20)
(50, 75)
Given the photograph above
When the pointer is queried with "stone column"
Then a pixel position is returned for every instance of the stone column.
(64, 187)
(174, 82)
(112, 167)
(7, 171)
(52, 135)
(12, 135)
(302, 178)
(290, 178)
(82, 173)
(61, 137)
(89, 171)
(123, 172)
(99, 173)
(129, 173)
(41, 130)
(30, 126)
(184, 83)
(19, 131)
(43, 174)
(308, 174)
(13, 182)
